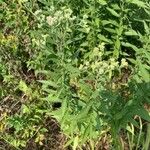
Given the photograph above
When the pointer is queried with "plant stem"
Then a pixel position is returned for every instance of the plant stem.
(139, 137)
(147, 142)
(129, 142)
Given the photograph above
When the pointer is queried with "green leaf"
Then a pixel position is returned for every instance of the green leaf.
(64, 107)
(113, 22)
(23, 87)
(103, 38)
(131, 32)
(69, 142)
(44, 2)
(60, 114)
(144, 73)
(138, 3)
(84, 44)
(110, 30)
(117, 49)
(48, 83)
(133, 61)
(73, 70)
(25, 109)
(146, 27)
(133, 121)
(102, 2)
(130, 46)
(147, 55)
(51, 98)
(119, 30)
(142, 113)
(115, 6)
(113, 12)
(147, 11)
(84, 112)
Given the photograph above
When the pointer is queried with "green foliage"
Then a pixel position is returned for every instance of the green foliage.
(91, 56)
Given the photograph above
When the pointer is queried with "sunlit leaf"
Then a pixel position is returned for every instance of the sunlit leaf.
(113, 12)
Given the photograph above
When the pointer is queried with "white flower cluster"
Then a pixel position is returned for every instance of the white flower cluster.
(40, 42)
(56, 16)
(99, 66)
(59, 16)
(84, 24)
(95, 62)
(40, 17)
(124, 63)
(113, 64)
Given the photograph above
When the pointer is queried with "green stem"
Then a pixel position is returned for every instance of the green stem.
(147, 142)
(140, 133)
(129, 142)
(116, 139)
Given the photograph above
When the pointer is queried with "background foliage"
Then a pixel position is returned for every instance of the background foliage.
(85, 63)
